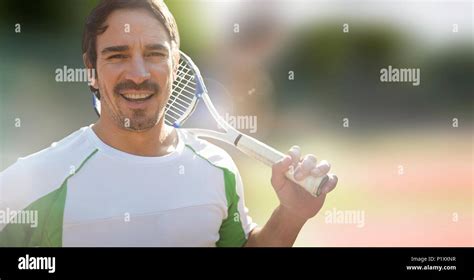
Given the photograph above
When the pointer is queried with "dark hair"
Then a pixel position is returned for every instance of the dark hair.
(95, 22)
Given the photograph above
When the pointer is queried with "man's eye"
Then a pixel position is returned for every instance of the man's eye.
(117, 56)
(156, 54)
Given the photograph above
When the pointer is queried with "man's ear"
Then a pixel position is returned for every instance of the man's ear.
(91, 73)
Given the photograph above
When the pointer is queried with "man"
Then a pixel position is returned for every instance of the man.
(131, 180)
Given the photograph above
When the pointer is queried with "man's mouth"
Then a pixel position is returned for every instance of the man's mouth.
(137, 97)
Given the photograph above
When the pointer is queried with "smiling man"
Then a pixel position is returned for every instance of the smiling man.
(131, 180)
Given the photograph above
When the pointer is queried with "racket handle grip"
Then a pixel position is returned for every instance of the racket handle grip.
(269, 156)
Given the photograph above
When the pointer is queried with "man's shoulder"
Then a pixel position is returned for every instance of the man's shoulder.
(75, 145)
(38, 174)
(52, 163)
(208, 151)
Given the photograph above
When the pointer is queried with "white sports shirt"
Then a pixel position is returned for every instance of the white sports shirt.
(86, 193)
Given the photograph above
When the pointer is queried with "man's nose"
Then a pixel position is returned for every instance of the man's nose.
(138, 72)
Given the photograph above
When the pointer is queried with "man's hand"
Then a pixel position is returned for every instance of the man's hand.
(296, 204)
(292, 196)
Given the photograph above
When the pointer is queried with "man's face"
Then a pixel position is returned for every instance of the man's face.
(134, 69)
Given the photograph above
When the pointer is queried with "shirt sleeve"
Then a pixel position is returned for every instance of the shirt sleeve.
(235, 229)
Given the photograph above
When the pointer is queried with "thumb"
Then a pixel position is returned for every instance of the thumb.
(278, 172)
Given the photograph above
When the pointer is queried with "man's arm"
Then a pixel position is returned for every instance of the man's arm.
(281, 230)
(296, 204)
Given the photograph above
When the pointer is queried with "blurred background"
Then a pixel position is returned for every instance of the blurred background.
(308, 72)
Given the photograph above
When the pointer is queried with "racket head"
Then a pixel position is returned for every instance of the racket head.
(188, 87)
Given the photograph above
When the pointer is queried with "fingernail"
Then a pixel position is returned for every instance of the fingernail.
(325, 189)
(287, 160)
(295, 148)
(316, 172)
(294, 151)
(328, 189)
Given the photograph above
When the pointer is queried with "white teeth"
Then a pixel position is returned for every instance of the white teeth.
(137, 95)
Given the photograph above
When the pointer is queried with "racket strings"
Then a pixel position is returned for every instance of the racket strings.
(182, 95)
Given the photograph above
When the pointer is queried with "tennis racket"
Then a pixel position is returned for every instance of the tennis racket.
(187, 90)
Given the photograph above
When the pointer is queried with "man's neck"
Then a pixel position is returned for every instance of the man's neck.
(160, 140)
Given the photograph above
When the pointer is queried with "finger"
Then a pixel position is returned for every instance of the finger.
(295, 153)
(321, 169)
(279, 169)
(282, 165)
(330, 184)
(304, 168)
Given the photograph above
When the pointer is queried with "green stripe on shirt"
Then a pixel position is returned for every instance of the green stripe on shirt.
(231, 232)
(49, 230)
